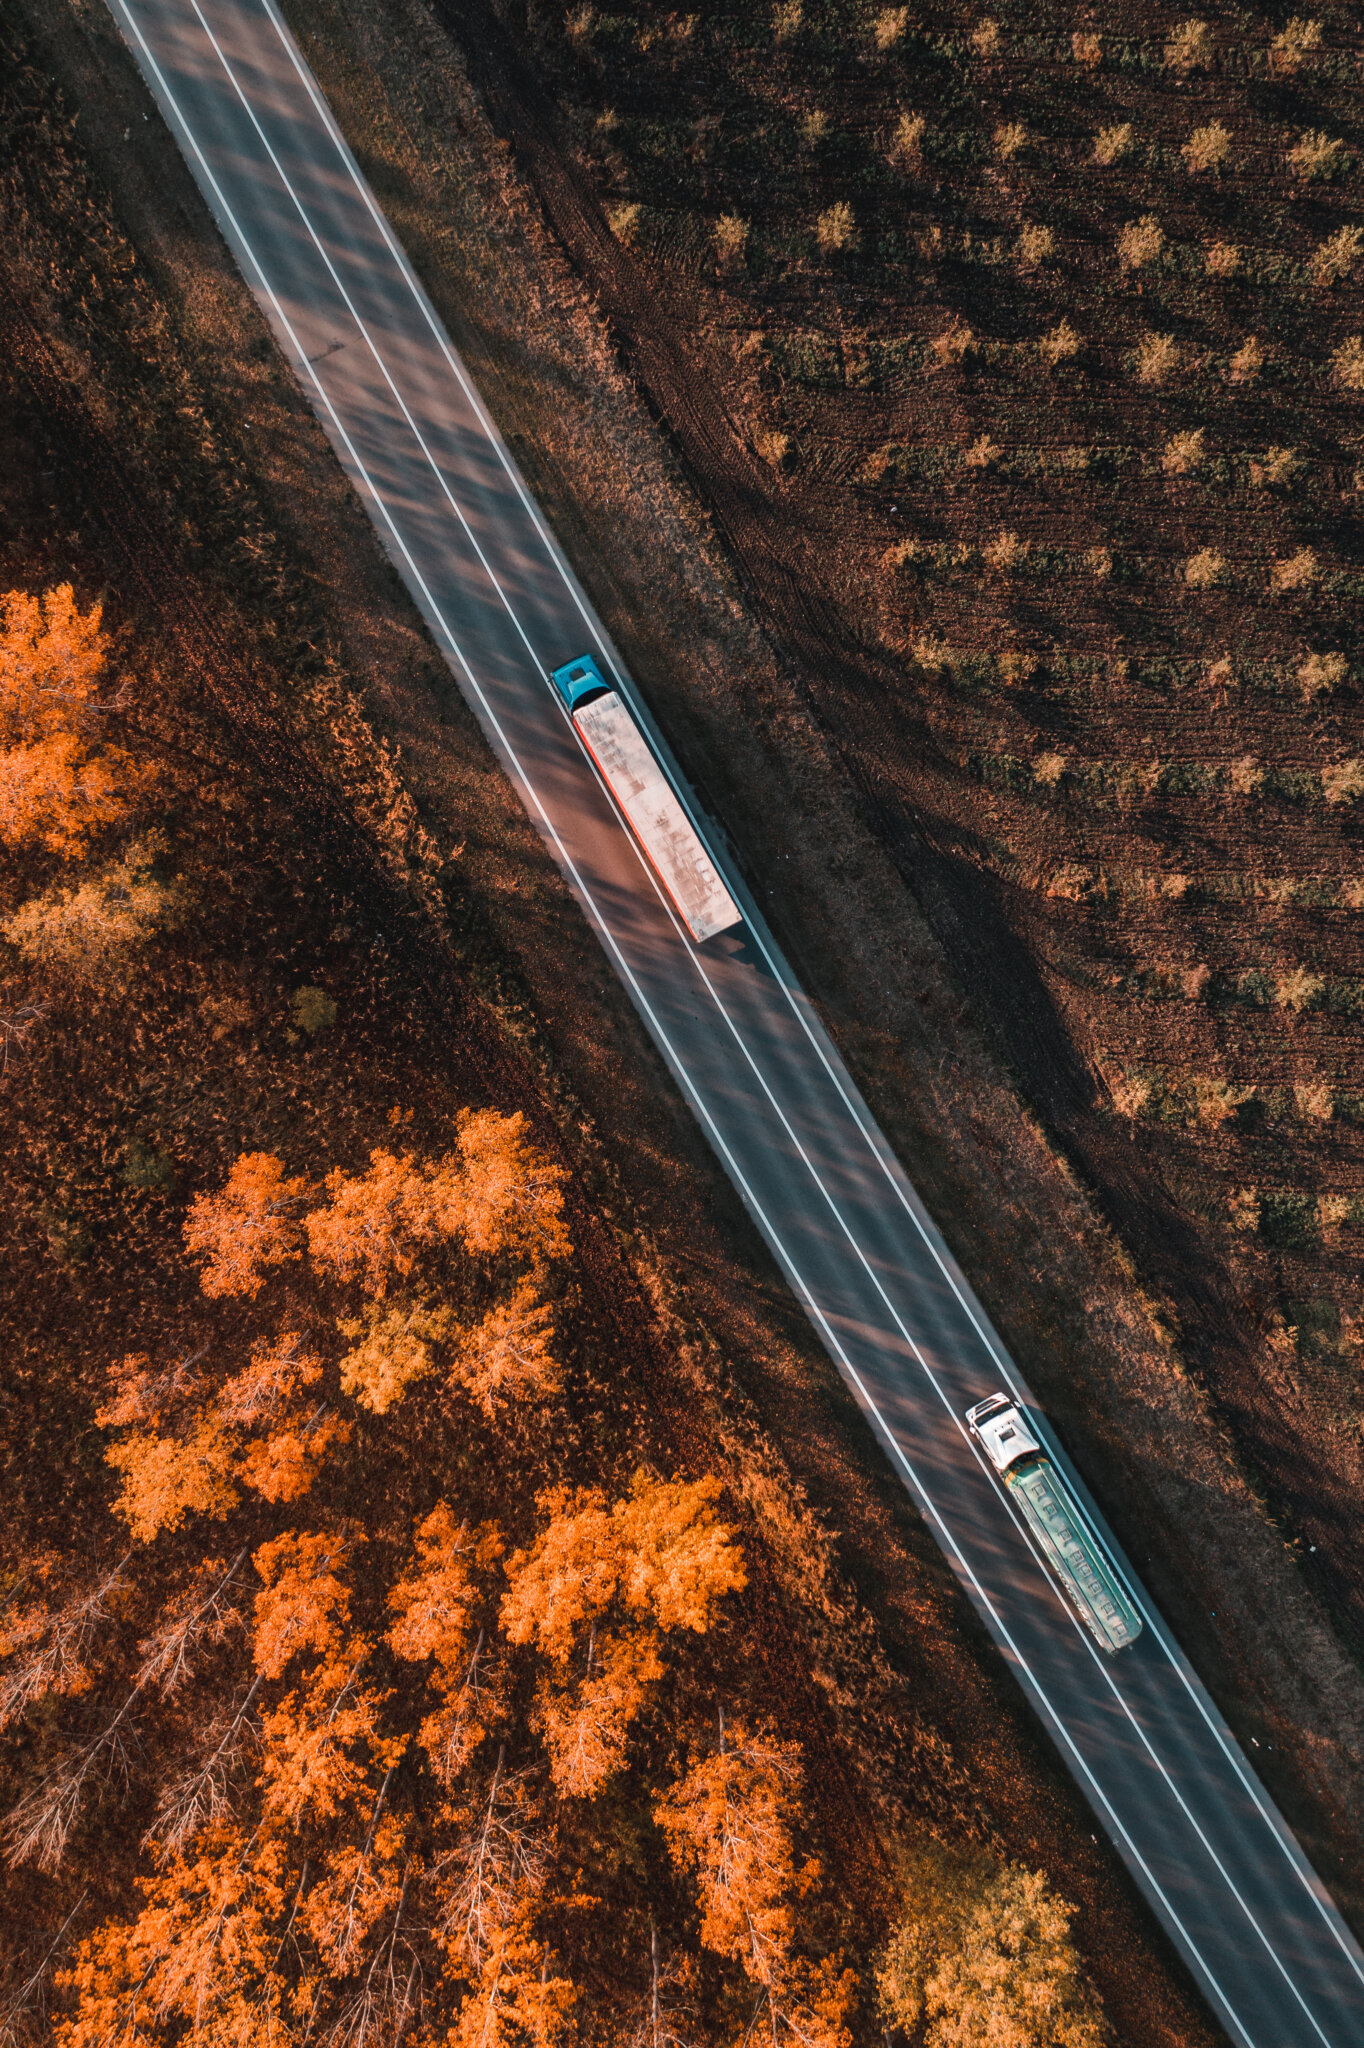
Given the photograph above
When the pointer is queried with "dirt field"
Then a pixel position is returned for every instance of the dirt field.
(339, 822)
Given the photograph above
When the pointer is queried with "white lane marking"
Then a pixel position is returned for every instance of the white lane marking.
(795, 997)
(627, 974)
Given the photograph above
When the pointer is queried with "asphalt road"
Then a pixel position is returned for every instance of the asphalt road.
(1164, 1777)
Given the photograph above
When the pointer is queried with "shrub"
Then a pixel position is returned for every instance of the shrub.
(731, 239)
(1140, 242)
(908, 144)
(1207, 147)
(985, 38)
(1222, 259)
(1315, 1101)
(1047, 769)
(1190, 47)
(1246, 365)
(624, 221)
(314, 1010)
(1157, 355)
(85, 931)
(954, 345)
(1086, 48)
(1321, 673)
(889, 27)
(772, 445)
(1204, 569)
(835, 229)
(981, 453)
(1347, 364)
(1035, 245)
(1009, 138)
(1297, 989)
(1005, 553)
(1112, 144)
(992, 1960)
(1335, 259)
(1183, 453)
(1292, 45)
(1244, 777)
(580, 25)
(1317, 155)
(1294, 572)
(1343, 782)
(1060, 344)
(787, 19)
(814, 126)
(1276, 466)
(1099, 562)
(1288, 1222)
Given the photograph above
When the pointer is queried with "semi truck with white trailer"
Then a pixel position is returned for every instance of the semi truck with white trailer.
(1056, 1522)
(646, 799)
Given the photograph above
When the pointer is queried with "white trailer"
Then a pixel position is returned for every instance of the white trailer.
(646, 799)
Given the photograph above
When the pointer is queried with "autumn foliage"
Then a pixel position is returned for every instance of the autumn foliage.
(60, 783)
(597, 1593)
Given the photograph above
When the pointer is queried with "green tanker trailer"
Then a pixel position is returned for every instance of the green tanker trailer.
(1056, 1522)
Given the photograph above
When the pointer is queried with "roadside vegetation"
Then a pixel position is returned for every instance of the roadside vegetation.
(407, 1631)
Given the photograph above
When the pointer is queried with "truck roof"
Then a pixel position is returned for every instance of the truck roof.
(1003, 1433)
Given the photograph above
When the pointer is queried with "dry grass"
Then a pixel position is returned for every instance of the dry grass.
(986, 39)
(1087, 49)
(1222, 259)
(889, 27)
(1010, 139)
(982, 453)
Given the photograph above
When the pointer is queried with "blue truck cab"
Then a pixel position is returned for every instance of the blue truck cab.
(579, 680)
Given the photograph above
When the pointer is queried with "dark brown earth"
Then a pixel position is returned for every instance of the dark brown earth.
(265, 656)
(1075, 926)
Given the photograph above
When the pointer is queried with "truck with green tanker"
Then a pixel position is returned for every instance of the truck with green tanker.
(1056, 1522)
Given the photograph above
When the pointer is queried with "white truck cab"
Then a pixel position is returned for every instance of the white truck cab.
(1002, 1432)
